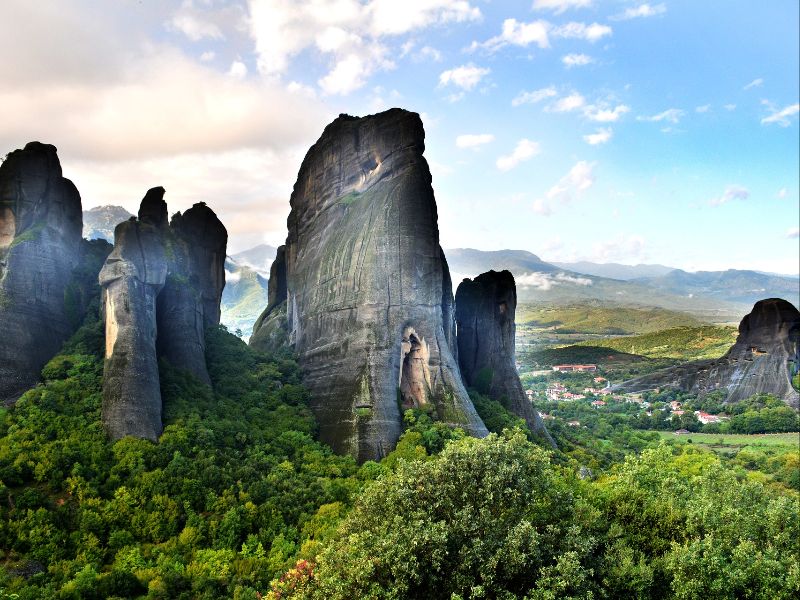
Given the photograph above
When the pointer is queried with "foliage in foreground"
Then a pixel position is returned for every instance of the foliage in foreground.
(493, 519)
(219, 507)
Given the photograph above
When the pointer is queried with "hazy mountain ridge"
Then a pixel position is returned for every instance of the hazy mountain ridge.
(616, 270)
(99, 222)
(716, 295)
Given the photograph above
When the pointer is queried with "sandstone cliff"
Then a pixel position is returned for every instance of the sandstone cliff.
(40, 246)
(485, 311)
(368, 301)
(763, 359)
(162, 287)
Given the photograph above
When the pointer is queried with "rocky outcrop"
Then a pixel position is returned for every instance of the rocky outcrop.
(763, 360)
(485, 310)
(192, 293)
(40, 246)
(132, 277)
(162, 287)
(368, 301)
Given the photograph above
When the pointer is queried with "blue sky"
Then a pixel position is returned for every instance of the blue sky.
(621, 131)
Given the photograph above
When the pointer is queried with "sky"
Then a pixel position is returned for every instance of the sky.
(609, 131)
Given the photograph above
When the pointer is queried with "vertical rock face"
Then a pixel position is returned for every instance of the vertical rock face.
(485, 310)
(191, 298)
(369, 305)
(40, 245)
(763, 359)
(132, 277)
(162, 287)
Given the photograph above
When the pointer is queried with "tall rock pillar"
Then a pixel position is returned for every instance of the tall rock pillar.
(485, 311)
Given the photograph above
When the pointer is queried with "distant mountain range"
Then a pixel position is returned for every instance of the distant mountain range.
(711, 295)
(616, 270)
(99, 222)
(259, 258)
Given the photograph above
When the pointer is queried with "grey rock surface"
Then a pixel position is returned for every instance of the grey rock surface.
(132, 277)
(40, 246)
(162, 287)
(485, 311)
(369, 305)
(763, 360)
(190, 300)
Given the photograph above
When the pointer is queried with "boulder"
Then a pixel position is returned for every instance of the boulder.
(40, 246)
(485, 311)
(368, 302)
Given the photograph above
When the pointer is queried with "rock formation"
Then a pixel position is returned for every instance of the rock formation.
(162, 287)
(763, 360)
(40, 246)
(485, 310)
(368, 301)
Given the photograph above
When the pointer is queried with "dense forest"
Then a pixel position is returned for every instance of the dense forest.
(238, 500)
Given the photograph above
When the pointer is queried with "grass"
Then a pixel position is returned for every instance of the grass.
(685, 343)
(604, 320)
(731, 443)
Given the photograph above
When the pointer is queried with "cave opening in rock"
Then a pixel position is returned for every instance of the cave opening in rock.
(414, 373)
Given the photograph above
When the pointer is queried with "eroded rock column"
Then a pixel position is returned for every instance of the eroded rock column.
(485, 311)
(132, 277)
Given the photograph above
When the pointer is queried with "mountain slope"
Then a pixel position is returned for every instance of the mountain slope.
(259, 258)
(244, 297)
(730, 286)
(99, 222)
(616, 270)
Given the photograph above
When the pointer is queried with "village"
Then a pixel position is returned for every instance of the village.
(599, 394)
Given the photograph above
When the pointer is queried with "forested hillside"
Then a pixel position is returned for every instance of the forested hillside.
(237, 499)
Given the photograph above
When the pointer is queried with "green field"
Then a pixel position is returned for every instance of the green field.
(730, 443)
(603, 320)
(685, 343)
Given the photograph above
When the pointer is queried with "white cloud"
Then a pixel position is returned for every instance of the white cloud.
(196, 109)
(732, 192)
(348, 75)
(428, 53)
(671, 115)
(641, 11)
(703, 109)
(579, 179)
(781, 117)
(590, 33)
(534, 97)
(793, 232)
(576, 60)
(569, 103)
(729, 107)
(193, 25)
(516, 33)
(352, 32)
(524, 150)
(601, 136)
(389, 17)
(238, 70)
(782, 193)
(466, 76)
(559, 6)
(629, 249)
(754, 84)
(469, 140)
(606, 115)
(546, 281)
(208, 56)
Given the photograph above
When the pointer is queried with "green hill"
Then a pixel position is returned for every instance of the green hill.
(603, 320)
(686, 343)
